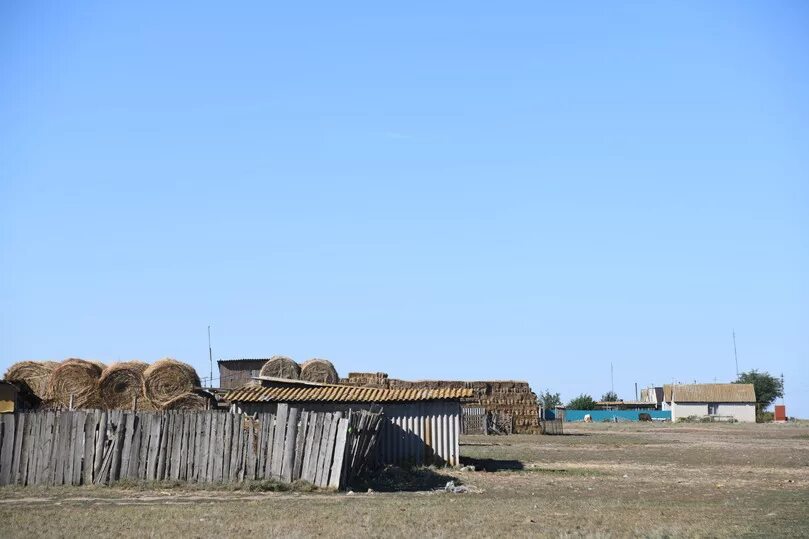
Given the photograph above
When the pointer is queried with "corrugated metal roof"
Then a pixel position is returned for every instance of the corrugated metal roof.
(339, 393)
(666, 392)
(713, 393)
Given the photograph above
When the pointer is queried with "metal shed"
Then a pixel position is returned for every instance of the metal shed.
(421, 426)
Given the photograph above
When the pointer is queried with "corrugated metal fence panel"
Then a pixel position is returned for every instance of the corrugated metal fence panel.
(426, 433)
(621, 415)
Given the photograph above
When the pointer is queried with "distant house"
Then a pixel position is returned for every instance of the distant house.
(721, 401)
(652, 394)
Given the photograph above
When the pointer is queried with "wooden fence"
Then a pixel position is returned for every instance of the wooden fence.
(473, 420)
(100, 447)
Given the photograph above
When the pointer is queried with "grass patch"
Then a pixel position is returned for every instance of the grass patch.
(566, 472)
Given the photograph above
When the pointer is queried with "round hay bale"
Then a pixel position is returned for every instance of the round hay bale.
(77, 378)
(193, 401)
(319, 370)
(167, 379)
(101, 365)
(35, 374)
(121, 383)
(281, 367)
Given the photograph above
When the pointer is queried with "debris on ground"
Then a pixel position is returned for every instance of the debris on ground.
(450, 487)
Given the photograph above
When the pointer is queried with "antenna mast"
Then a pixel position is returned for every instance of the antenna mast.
(612, 383)
(210, 358)
(735, 355)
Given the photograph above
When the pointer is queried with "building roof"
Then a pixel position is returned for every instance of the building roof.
(712, 393)
(340, 393)
(238, 360)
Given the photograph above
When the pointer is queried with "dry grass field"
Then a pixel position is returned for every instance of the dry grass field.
(602, 480)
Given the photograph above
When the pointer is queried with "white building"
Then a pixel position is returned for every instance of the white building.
(720, 401)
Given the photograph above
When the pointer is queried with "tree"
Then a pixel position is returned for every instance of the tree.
(767, 387)
(548, 400)
(610, 396)
(582, 402)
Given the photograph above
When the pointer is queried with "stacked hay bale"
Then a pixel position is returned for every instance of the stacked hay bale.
(75, 382)
(281, 367)
(167, 380)
(319, 370)
(36, 375)
(366, 379)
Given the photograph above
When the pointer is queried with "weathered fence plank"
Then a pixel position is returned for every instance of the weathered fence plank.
(278, 440)
(321, 453)
(47, 438)
(288, 460)
(7, 447)
(16, 455)
(300, 444)
(25, 449)
(101, 437)
(76, 446)
(328, 455)
(226, 440)
(336, 472)
(313, 445)
(153, 457)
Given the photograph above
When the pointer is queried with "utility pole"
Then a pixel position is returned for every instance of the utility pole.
(210, 358)
(612, 381)
(735, 355)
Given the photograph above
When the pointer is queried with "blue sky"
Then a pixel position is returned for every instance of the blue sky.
(458, 191)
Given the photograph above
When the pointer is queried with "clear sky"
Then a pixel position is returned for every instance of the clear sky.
(526, 191)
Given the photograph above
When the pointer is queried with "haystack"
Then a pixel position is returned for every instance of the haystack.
(35, 374)
(319, 370)
(77, 378)
(168, 379)
(101, 365)
(193, 401)
(281, 367)
(121, 384)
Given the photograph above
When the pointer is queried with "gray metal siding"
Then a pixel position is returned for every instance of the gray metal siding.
(421, 433)
(418, 432)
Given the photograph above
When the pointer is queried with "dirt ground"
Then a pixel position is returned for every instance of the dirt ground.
(599, 480)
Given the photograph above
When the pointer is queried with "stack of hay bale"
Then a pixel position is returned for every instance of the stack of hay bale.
(366, 379)
(512, 398)
(166, 385)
